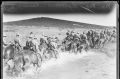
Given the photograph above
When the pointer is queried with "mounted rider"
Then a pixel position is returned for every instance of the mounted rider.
(4, 41)
(43, 36)
(67, 33)
(101, 34)
(49, 44)
(84, 34)
(29, 41)
(90, 37)
(76, 37)
(113, 35)
(83, 38)
(72, 35)
(68, 36)
(17, 42)
(35, 46)
(31, 35)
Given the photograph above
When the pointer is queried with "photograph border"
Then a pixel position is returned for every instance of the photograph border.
(117, 29)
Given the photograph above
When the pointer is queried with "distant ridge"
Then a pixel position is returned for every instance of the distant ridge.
(51, 22)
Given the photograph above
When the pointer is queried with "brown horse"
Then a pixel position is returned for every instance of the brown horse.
(30, 57)
(11, 55)
(50, 53)
(8, 53)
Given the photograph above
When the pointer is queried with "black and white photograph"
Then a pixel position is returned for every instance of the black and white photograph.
(59, 39)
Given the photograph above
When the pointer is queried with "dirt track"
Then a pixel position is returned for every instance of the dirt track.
(97, 65)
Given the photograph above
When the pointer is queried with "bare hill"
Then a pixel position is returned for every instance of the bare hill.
(51, 22)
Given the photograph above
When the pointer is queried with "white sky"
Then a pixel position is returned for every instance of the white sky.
(107, 20)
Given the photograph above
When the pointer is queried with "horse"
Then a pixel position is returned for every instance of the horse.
(19, 63)
(73, 47)
(8, 53)
(67, 45)
(43, 44)
(30, 57)
(13, 59)
(112, 37)
(96, 42)
(79, 47)
(102, 42)
(64, 45)
(50, 51)
(89, 40)
(29, 46)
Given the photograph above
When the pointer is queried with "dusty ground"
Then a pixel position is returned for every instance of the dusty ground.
(95, 64)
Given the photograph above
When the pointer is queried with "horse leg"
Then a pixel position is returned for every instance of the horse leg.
(99, 44)
(102, 45)
(86, 48)
(54, 54)
(79, 50)
(44, 55)
(39, 60)
(8, 67)
(37, 65)
(36, 68)
(75, 51)
(24, 63)
(95, 46)
(5, 61)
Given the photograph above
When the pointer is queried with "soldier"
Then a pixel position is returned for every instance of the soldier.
(71, 35)
(56, 39)
(68, 32)
(31, 35)
(49, 44)
(85, 36)
(113, 35)
(90, 37)
(92, 33)
(17, 42)
(101, 34)
(36, 44)
(28, 42)
(43, 36)
(4, 41)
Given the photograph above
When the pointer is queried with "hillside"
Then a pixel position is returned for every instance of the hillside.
(51, 22)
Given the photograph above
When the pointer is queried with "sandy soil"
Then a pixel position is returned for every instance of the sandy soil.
(95, 64)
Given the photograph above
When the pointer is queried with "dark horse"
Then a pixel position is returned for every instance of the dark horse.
(30, 57)
(29, 46)
(9, 53)
(43, 44)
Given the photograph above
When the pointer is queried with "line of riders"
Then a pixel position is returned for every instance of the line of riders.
(37, 50)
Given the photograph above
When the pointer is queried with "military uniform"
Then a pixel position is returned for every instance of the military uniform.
(31, 35)
(17, 42)
(36, 44)
(29, 43)
(50, 46)
(4, 41)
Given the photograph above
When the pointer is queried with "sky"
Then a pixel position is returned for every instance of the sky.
(99, 19)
